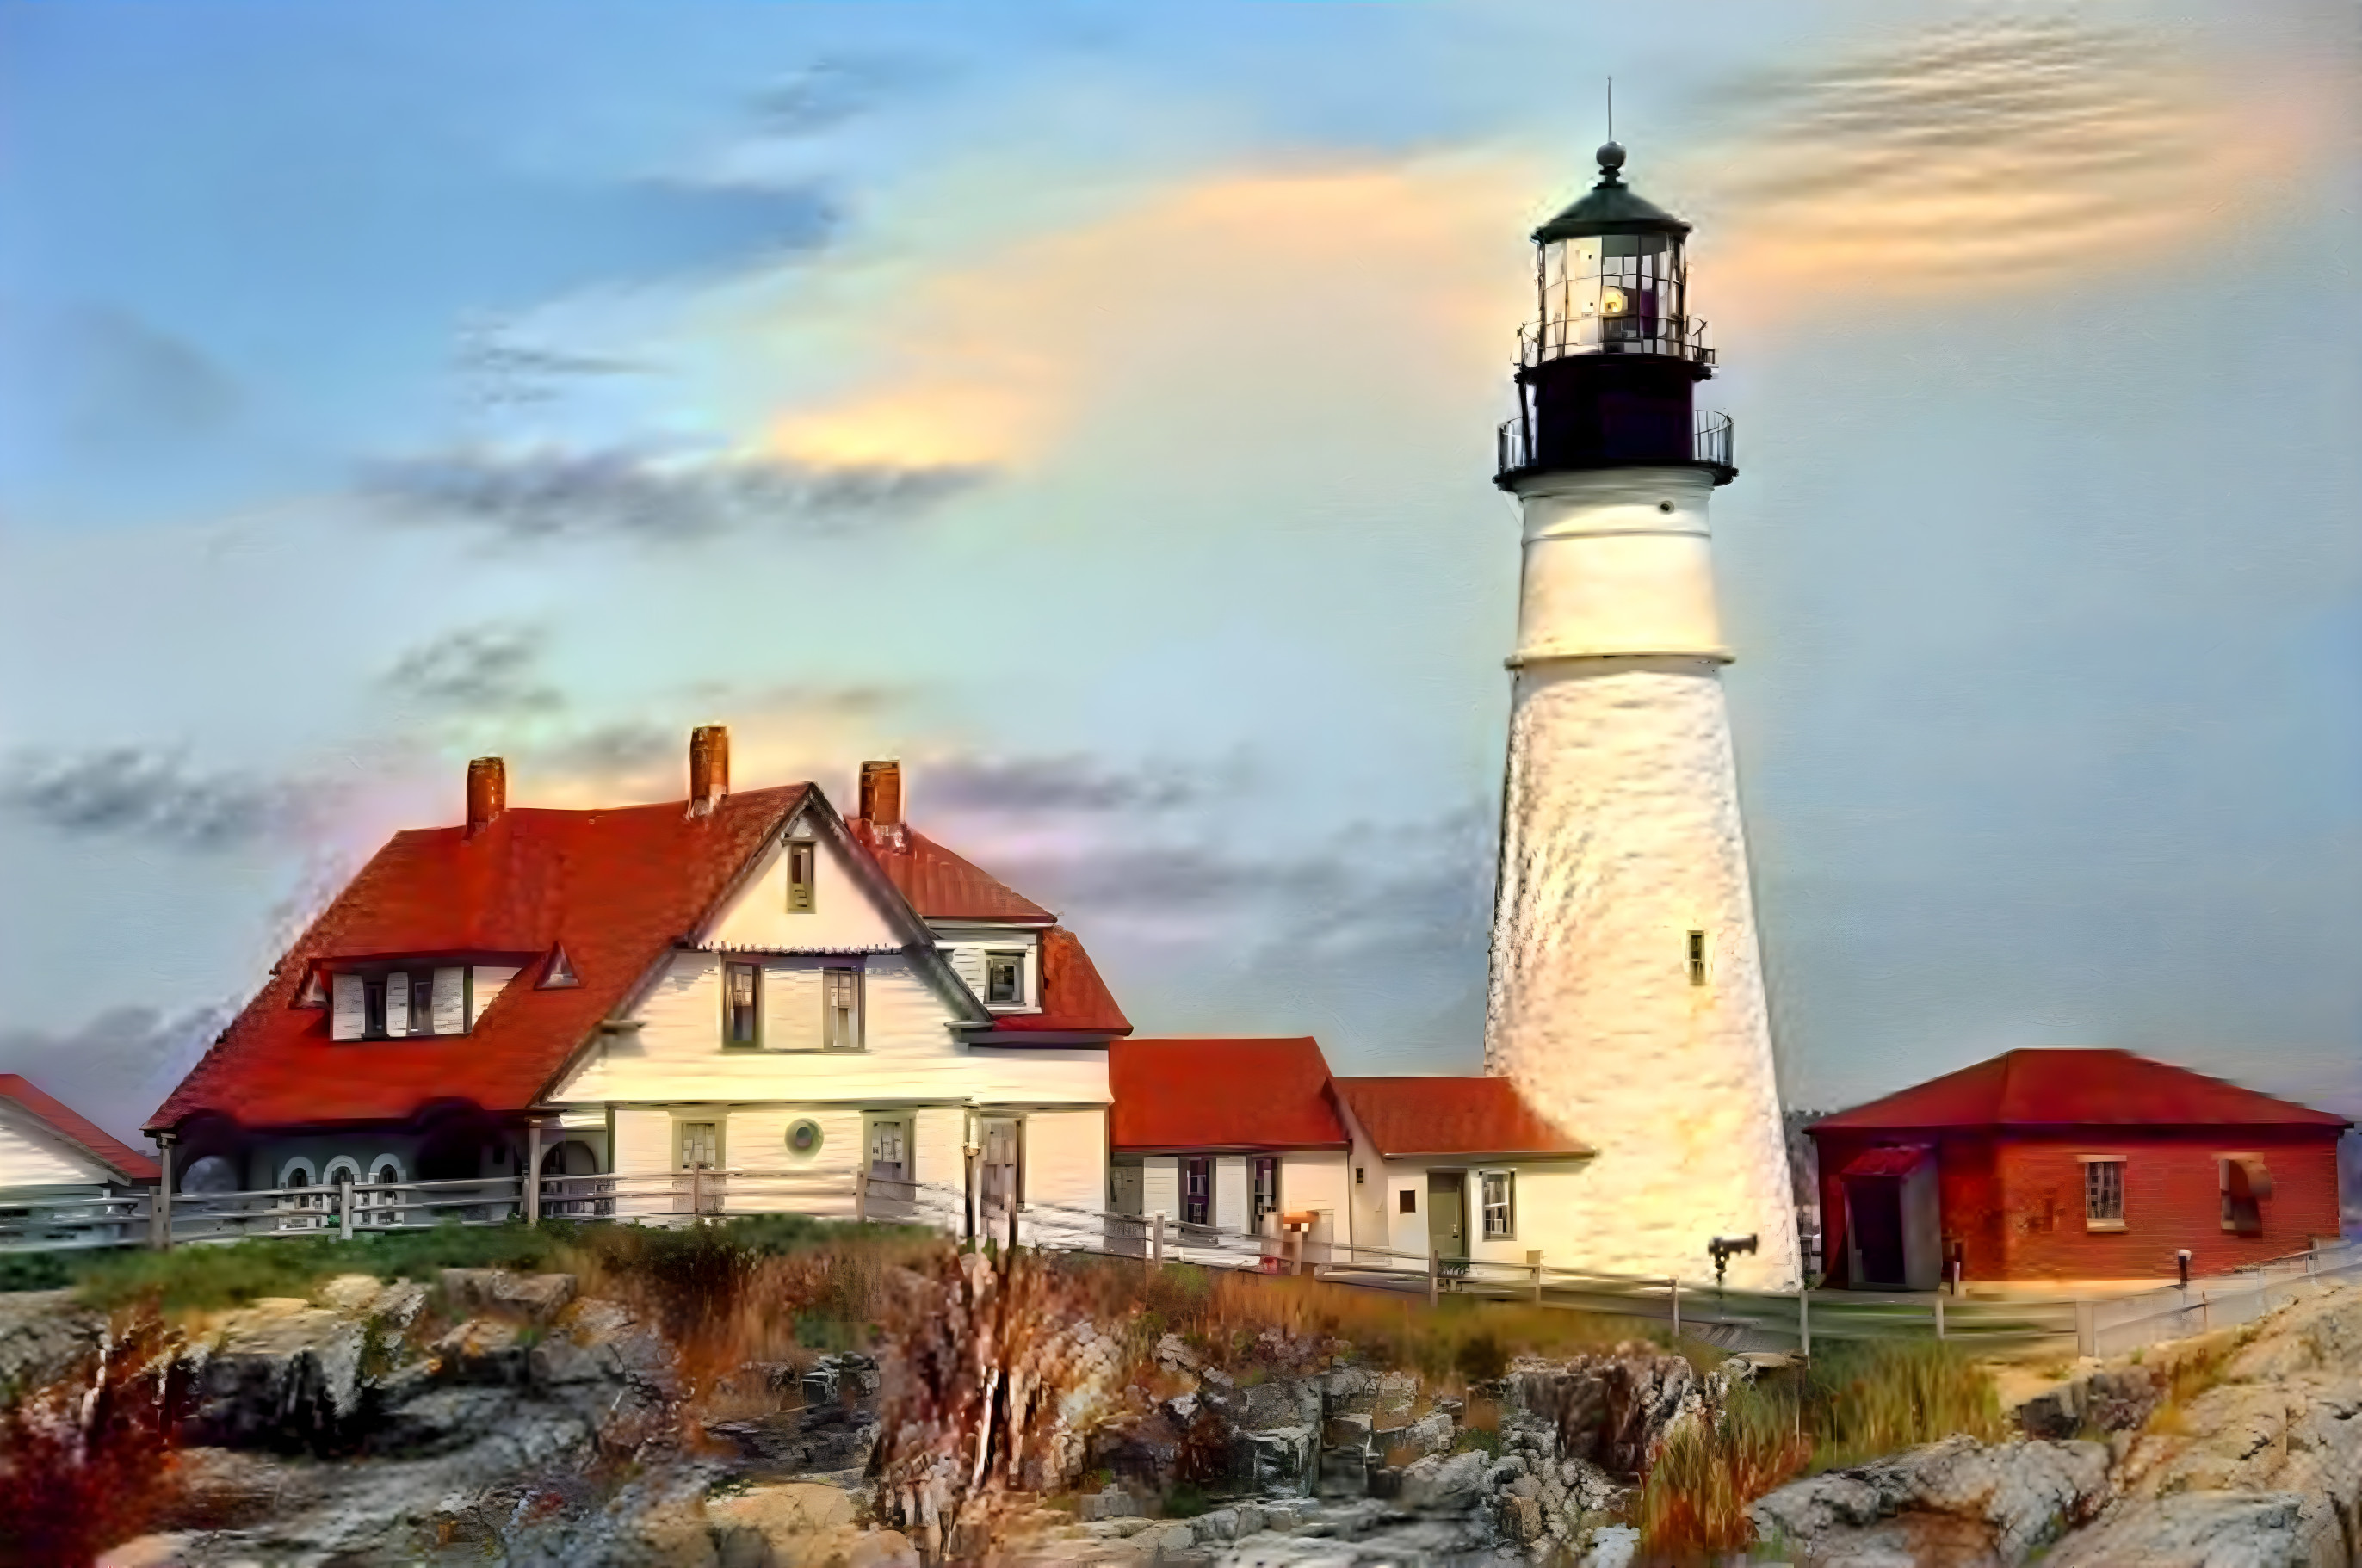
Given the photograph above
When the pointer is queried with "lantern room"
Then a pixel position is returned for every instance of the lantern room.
(1605, 370)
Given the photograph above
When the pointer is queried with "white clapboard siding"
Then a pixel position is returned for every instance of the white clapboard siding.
(1065, 1158)
(1547, 1213)
(345, 1015)
(910, 1054)
(939, 1147)
(451, 1001)
(1322, 1183)
(397, 1005)
(791, 1004)
(967, 963)
(32, 1156)
(1160, 1185)
(489, 983)
(842, 914)
(758, 1141)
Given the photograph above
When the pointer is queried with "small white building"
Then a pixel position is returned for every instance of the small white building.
(743, 982)
(1461, 1167)
(49, 1154)
(1229, 1136)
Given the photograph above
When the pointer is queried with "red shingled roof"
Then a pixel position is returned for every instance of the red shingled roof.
(2075, 1089)
(1221, 1094)
(939, 884)
(129, 1164)
(1451, 1116)
(617, 888)
(1075, 1001)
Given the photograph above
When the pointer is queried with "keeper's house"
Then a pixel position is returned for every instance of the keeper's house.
(52, 1155)
(2091, 1166)
(744, 981)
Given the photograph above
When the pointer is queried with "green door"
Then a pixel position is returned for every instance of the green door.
(1447, 1222)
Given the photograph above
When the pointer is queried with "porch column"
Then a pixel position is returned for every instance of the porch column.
(159, 1213)
(533, 1170)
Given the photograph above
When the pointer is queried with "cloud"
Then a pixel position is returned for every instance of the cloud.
(1988, 154)
(118, 1067)
(135, 792)
(1071, 783)
(545, 494)
(488, 669)
(828, 93)
(104, 380)
(971, 344)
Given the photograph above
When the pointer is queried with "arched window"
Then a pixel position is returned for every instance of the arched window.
(300, 1210)
(380, 1208)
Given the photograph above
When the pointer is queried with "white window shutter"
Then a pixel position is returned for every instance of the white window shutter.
(397, 1005)
(450, 1002)
(345, 1019)
(967, 963)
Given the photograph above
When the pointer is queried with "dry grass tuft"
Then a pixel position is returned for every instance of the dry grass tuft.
(1707, 1472)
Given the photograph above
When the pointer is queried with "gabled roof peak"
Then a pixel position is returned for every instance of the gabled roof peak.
(2087, 1086)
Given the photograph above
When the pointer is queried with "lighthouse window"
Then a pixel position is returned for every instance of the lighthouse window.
(1698, 957)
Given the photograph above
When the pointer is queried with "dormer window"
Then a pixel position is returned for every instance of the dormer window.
(373, 1010)
(381, 1002)
(1004, 977)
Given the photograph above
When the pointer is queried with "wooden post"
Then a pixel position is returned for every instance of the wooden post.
(159, 1214)
(696, 1191)
(860, 1196)
(1534, 1262)
(1434, 1275)
(1804, 1322)
(533, 1170)
(971, 1204)
(1156, 1242)
(2087, 1328)
(1674, 1291)
(344, 1209)
(1012, 1223)
(1939, 1314)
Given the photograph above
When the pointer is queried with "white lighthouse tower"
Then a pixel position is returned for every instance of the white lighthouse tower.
(1627, 993)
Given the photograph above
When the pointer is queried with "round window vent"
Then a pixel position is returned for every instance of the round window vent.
(803, 1138)
(1664, 506)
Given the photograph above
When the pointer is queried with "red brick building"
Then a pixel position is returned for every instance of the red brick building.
(2071, 1165)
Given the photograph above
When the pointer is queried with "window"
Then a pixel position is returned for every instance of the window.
(2244, 1184)
(2103, 1193)
(800, 876)
(840, 1009)
(1004, 977)
(1198, 1191)
(889, 1150)
(373, 1010)
(1500, 1207)
(377, 1208)
(701, 1146)
(422, 1004)
(742, 1004)
(1266, 1190)
(1698, 957)
(303, 1208)
(1357, 1175)
(1406, 1200)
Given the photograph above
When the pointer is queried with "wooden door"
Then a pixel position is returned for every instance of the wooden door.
(998, 1173)
(1447, 1222)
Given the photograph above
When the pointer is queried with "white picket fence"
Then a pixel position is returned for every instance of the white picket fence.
(1735, 1318)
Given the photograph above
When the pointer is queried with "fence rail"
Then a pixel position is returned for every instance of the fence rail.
(1736, 1318)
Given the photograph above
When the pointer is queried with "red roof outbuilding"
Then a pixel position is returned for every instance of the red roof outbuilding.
(1261, 1094)
(1406, 1118)
(2075, 1089)
(128, 1164)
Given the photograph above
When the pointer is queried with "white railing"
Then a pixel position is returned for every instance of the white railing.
(1739, 1319)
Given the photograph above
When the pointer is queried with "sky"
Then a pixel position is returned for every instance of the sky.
(1091, 404)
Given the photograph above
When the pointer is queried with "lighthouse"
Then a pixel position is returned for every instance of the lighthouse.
(1626, 999)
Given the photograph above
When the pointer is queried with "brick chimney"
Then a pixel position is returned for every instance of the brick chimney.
(881, 800)
(487, 791)
(709, 767)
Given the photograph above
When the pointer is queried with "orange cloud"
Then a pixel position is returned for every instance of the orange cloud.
(1990, 156)
(997, 357)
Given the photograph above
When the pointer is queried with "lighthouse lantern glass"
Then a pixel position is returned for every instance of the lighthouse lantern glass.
(1613, 293)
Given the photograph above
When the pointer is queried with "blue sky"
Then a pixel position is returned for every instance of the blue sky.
(1092, 405)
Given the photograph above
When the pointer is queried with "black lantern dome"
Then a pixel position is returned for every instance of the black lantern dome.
(1606, 370)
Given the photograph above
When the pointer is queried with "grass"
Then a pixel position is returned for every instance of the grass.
(199, 1278)
(1854, 1402)
(2195, 1370)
